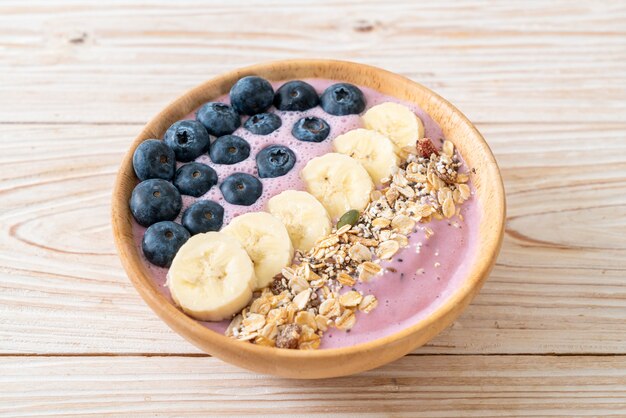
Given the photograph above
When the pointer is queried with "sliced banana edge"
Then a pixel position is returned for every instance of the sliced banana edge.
(303, 215)
(372, 149)
(339, 182)
(266, 241)
(395, 121)
(211, 277)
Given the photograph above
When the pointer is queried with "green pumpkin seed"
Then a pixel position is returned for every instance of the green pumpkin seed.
(349, 218)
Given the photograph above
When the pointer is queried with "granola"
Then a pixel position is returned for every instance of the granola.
(316, 292)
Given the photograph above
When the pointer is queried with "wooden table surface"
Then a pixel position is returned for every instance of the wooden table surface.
(545, 82)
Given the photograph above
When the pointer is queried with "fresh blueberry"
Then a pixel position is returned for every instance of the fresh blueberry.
(218, 118)
(203, 216)
(263, 123)
(162, 241)
(195, 179)
(229, 149)
(153, 159)
(155, 200)
(251, 95)
(275, 161)
(296, 95)
(343, 99)
(188, 138)
(241, 189)
(311, 129)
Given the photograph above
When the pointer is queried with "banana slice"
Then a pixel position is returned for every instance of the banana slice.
(373, 150)
(303, 215)
(396, 122)
(339, 182)
(267, 242)
(211, 277)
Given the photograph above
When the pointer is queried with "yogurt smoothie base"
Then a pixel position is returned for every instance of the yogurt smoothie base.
(417, 279)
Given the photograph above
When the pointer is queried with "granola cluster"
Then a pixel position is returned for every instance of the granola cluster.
(316, 292)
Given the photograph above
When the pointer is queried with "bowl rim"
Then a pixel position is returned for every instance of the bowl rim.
(192, 330)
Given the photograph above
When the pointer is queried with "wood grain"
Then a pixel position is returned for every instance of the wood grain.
(544, 81)
(497, 61)
(427, 386)
(549, 293)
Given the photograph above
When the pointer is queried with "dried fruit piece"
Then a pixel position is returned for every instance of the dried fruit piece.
(425, 148)
(278, 284)
(288, 336)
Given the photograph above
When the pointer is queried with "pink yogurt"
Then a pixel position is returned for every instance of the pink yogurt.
(431, 268)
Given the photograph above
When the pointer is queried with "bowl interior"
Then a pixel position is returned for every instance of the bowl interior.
(476, 153)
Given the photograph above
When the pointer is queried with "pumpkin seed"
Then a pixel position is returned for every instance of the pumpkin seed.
(349, 218)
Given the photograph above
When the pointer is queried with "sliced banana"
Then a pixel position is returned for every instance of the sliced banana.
(303, 215)
(267, 242)
(372, 149)
(339, 182)
(396, 122)
(211, 277)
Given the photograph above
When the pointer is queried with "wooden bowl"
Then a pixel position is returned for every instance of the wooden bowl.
(337, 361)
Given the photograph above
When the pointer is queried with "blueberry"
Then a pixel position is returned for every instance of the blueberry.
(188, 138)
(275, 161)
(195, 179)
(296, 95)
(251, 95)
(155, 200)
(343, 99)
(203, 216)
(263, 123)
(229, 149)
(218, 118)
(241, 189)
(153, 159)
(162, 241)
(311, 129)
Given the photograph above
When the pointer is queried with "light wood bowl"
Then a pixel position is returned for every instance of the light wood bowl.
(339, 361)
